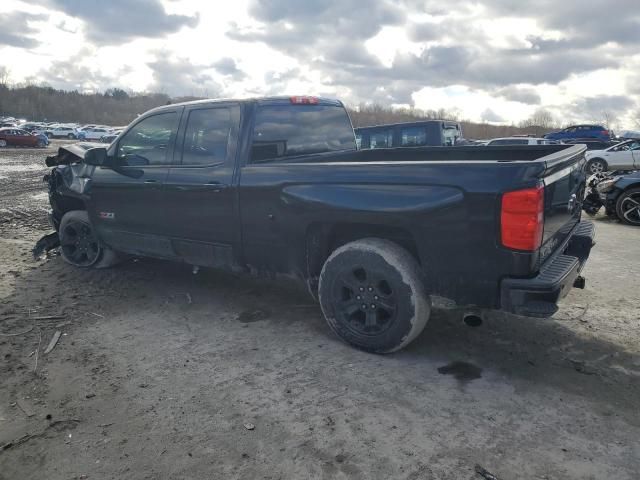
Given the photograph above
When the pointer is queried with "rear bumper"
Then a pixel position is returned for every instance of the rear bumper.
(538, 296)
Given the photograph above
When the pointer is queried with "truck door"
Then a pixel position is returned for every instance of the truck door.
(200, 199)
(126, 204)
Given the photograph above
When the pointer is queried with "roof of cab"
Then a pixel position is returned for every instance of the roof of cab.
(275, 100)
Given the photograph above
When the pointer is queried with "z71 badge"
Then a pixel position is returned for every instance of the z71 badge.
(107, 215)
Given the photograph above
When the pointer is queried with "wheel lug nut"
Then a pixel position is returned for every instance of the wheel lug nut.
(364, 307)
(358, 297)
(371, 289)
(375, 297)
(373, 305)
(361, 289)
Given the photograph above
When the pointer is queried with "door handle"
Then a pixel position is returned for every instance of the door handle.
(211, 187)
(151, 183)
(215, 186)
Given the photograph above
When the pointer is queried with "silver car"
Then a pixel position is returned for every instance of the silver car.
(623, 156)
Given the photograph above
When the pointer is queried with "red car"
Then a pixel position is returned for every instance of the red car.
(19, 138)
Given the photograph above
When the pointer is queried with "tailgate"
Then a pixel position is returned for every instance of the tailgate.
(564, 186)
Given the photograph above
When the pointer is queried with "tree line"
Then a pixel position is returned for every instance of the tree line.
(42, 103)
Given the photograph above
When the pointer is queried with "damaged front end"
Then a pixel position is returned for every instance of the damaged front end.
(68, 184)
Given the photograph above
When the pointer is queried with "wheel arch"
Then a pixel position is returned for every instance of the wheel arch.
(593, 159)
(322, 239)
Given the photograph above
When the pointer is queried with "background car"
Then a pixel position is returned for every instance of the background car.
(618, 192)
(95, 133)
(110, 137)
(623, 156)
(16, 137)
(519, 141)
(59, 131)
(581, 131)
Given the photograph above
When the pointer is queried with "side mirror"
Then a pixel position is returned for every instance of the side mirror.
(96, 156)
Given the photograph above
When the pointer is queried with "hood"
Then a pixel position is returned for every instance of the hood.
(73, 153)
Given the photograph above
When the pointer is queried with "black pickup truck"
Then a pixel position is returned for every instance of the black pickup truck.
(277, 185)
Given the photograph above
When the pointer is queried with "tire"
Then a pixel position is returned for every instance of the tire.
(40, 144)
(49, 134)
(596, 165)
(628, 207)
(373, 296)
(3, 143)
(71, 136)
(78, 244)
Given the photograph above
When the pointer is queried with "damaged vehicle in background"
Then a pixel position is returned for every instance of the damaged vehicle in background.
(277, 186)
(618, 192)
(622, 156)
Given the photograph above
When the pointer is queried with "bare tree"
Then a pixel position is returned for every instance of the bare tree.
(541, 122)
(5, 76)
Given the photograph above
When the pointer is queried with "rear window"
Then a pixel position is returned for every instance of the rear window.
(282, 131)
(413, 136)
(381, 139)
(509, 141)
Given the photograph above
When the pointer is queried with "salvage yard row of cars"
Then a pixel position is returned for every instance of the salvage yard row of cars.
(46, 131)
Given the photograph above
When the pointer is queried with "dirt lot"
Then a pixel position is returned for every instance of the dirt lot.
(159, 372)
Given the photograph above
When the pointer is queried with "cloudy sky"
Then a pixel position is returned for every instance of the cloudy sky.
(491, 60)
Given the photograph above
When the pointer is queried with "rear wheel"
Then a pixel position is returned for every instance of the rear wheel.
(79, 245)
(3, 143)
(71, 136)
(628, 207)
(596, 165)
(373, 296)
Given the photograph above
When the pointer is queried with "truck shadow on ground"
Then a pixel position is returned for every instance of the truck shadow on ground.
(556, 353)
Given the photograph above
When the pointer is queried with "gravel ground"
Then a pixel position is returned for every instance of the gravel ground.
(162, 374)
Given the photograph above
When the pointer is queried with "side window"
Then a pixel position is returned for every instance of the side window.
(358, 141)
(282, 131)
(413, 136)
(635, 145)
(147, 143)
(207, 136)
(382, 139)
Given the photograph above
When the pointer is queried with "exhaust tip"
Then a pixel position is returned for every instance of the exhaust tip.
(472, 319)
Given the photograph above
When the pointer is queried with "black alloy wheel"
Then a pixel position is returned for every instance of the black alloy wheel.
(628, 207)
(367, 302)
(373, 295)
(79, 245)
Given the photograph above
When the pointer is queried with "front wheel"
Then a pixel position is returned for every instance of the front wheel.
(3, 143)
(71, 136)
(597, 165)
(373, 296)
(79, 245)
(628, 207)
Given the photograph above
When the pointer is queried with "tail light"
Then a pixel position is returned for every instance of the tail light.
(522, 219)
(605, 132)
(304, 100)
